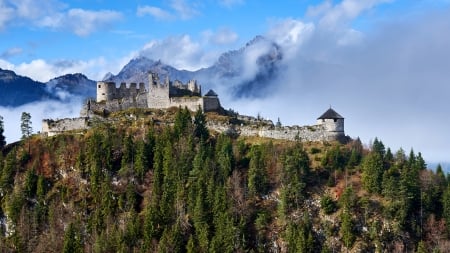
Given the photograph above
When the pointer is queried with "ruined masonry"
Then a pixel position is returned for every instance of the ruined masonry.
(163, 95)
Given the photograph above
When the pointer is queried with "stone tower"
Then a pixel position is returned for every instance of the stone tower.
(158, 94)
(332, 121)
(105, 91)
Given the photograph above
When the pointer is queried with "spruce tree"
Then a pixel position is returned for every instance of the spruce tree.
(25, 126)
(2, 130)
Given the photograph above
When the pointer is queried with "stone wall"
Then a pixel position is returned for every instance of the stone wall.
(302, 133)
(192, 103)
(210, 104)
(158, 96)
(54, 127)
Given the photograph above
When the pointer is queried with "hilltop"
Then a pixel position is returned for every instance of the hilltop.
(160, 181)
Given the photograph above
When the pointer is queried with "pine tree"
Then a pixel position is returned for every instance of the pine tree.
(25, 126)
(72, 240)
(257, 175)
(2, 130)
(373, 170)
(200, 129)
(446, 207)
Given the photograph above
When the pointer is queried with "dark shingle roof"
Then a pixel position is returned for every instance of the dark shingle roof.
(330, 114)
(211, 93)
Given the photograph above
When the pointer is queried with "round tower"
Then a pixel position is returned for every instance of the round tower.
(332, 121)
(105, 91)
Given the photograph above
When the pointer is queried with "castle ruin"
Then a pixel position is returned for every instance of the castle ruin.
(159, 95)
(166, 94)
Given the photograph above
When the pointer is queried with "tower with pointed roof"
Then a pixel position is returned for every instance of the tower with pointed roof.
(332, 121)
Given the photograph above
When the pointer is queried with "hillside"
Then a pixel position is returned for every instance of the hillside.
(157, 181)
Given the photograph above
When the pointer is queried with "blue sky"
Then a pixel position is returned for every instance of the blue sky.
(382, 64)
(48, 38)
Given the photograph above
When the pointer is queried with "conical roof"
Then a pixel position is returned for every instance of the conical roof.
(331, 114)
(211, 93)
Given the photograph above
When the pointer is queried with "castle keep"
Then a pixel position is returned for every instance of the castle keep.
(160, 95)
(165, 94)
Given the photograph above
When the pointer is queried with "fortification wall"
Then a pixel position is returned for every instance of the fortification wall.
(302, 133)
(192, 103)
(158, 97)
(54, 127)
(138, 101)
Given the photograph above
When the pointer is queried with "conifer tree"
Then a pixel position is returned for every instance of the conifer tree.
(25, 126)
(72, 240)
(2, 137)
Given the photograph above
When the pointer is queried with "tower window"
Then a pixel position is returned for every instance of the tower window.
(99, 85)
(335, 120)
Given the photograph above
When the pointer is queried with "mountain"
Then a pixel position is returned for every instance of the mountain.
(18, 90)
(248, 70)
(71, 85)
(137, 71)
(245, 72)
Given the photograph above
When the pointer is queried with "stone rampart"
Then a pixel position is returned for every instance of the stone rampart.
(192, 103)
(302, 133)
(54, 127)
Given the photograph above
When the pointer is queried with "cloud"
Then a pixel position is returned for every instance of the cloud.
(85, 22)
(390, 82)
(10, 52)
(222, 37)
(38, 110)
(291, 34)
(183, 9)
(55, 15)
(42, 70)
(156, 12)
(332, 16)
(6, 14)
(179, 51)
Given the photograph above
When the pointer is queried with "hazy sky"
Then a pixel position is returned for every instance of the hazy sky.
(383, 64)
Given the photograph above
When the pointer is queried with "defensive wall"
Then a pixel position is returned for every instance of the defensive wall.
(53, 127)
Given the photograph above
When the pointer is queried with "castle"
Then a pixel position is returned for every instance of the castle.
(160, 95)
(163, 95)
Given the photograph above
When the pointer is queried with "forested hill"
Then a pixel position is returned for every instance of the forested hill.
(136, 184)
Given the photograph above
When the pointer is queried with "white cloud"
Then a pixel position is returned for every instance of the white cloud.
(38, 111)
(53, 14)
(183, 9)
(223, 36)
(84, 22)
(10, 52)
(6, 14)
(332, 16)
(43, 71)
(291, 34)
(391, 83)
(156, 12)
(178, 51)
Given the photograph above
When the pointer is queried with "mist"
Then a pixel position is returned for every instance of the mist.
(391, 82)
(47, 109)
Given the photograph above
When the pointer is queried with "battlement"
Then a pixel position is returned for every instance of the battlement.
(107, 91)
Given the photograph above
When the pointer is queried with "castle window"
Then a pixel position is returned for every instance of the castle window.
(335, 120)
(103, 94)
(99, 85)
